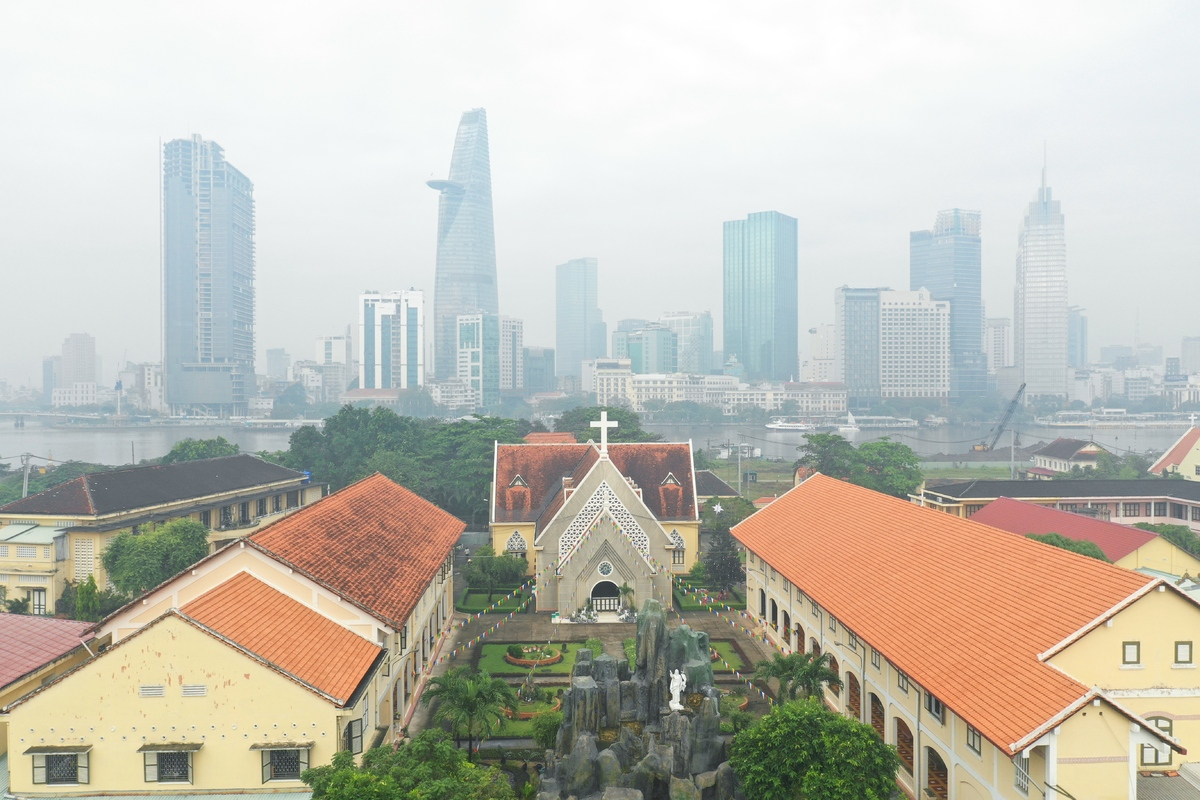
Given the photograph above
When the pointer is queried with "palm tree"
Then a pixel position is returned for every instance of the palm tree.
(469, 699)
(626, 592)
(799, 674)
(782, 668)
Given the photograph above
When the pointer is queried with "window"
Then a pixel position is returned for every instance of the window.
(60, 768)
(1160, 509)
(901, 681)
(1196, 509)
(277, 503)
(226, 516)
(677, 556)
(354, 736)
(1021, 773)
(244, 512)
(974, 741)
(813, 606)
(37, 600)
(386, 667)
(1178, 511)
(26, 551)
(284, 765)
(293, 499)
(1132, 510)
(852, 641)
(935, 707)
(206, 519)
(832, 623)
(1131, 653)
(1183, 652)
(875, 660)
(1151, 755)
(168, 766)
(403, 638)
(260, 507)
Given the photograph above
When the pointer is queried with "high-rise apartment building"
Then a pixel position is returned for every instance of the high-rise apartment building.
(654, 350)
(914, 345)
(391, 340)
(998, 343)
(1040, 299)
(279, 361)
(694, 330)
(821, 366)
(856, 349)
(539, 370)
(761, 295)
(478, 357)
(512, 354)
(51, 377)
(208, 281)
(1077, 337)
(78, 360)
(580, 332)
(465, 280)
(947, 260)
(333, 350)
(1189, 355)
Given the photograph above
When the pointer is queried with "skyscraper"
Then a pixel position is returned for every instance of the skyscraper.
(465, 279)
(654, 349)
(821, 366)
(695, 332)
(761, 295)
(998, 343)
(1040, 299)
(512, 354)
(1077, 337)
(208, 280)
(914, 345)
(478, 357)
(1189, 355)
(78, 360)
(539, 369)
(856, 348)
(580, 332)
(947, 261)
(391, 340)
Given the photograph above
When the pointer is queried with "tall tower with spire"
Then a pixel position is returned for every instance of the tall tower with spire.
(1040, 300)
(465, 280)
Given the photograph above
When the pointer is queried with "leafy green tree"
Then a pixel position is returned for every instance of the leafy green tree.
(798, 674)
(196, 449)
(828, 454)
(425, 768)
(722, 564)
(885, 466)
(488, 572)
(469, 700)
(1081, 546)
(578, 421)
(545, 728)
(733, 511)
(291, 403)
(802, 751)
(1130, 467)
(87, 602)
(17, 605)
(137, 562)
(1179, 535)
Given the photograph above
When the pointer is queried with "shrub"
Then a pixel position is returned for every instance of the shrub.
(595, 645)
(515, 651)
(545, 728)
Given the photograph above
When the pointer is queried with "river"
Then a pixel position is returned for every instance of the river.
(124, 445)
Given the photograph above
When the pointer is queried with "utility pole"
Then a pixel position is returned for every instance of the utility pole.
(739, 447)
(25, 457)
(1012, 454)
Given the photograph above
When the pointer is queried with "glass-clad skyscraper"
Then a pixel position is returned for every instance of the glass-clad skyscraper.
(580, 332)
(1040, 298)
(465, 279)
(208, 281)
(947, 261)
(857, 344)
(761, 295)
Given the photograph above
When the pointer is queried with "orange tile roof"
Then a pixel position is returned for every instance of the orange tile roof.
(291, 636)
(374, 542)
(541, 437)
(1178, 452)
(1015, 516)
(962, 608)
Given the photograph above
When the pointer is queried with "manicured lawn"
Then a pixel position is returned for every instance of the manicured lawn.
(472, 602)
(492, 660)
(690, 601)
(725, 650)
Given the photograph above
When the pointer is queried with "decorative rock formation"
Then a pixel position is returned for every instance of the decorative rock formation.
(619, 739)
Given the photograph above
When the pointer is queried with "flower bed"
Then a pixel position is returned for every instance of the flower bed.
(542, 659)
(556, 706)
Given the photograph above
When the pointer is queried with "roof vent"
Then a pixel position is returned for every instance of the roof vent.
(518, 481)
(195, 690)
(671, 480)
(152, 691)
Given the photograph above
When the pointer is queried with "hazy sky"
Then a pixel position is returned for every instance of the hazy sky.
(627, 132)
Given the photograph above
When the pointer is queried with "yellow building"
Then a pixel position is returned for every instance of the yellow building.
(231, 496)
(591, 517)
(1182, 459)
(28, 567)
(998, 666)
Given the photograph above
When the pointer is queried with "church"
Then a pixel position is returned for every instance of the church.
(590, 518)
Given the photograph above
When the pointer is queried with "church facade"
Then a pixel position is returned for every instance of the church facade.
(591, 518)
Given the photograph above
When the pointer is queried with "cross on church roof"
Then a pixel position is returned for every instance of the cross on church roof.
(604, 424)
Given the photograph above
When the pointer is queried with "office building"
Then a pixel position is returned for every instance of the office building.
(694, 331)
(654, 349)
(391, 340)
(479, 357)
(539, 370)
(856, 348)
(1148, 355)
(465, 280)
(1040, 299)
(1189, 355)
(947, 261)
(761, 295)
(914, 346)
(78, 360)
(1077, 338)
(620, 337)
(512, 354)
(51, 377)
(279, 361)
(821, 366)
(998, 343)
(580, 332)
(208, 281)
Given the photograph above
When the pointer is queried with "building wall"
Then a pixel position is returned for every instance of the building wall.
(27, 683)
(1159, 554)
(914, 346)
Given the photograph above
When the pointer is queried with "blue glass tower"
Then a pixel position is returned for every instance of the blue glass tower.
(761, 295)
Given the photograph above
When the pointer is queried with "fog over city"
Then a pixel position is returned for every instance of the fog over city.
(627, 132)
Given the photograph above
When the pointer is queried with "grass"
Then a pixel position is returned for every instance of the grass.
(725, 650)
(630, 646)
(690, 602)
(774, 477)
(472, 602)
(492, 659)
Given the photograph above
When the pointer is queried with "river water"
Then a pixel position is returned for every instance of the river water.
(118, 445)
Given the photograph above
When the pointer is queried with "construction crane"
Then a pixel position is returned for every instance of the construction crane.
(983, 447)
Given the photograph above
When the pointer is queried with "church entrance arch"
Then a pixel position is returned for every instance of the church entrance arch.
(606, 597)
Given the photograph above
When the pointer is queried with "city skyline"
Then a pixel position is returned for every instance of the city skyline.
(760, 295)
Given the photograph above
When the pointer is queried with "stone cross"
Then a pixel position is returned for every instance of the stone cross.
(604, 424)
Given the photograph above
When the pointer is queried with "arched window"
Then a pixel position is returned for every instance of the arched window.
(937, 779)
(774, 614)
(904, 745)
(833, 688)
(878, 718)
(1151, 755)
(762, 604)
(853, 696)
(814, 648)
(787, 628)
(516, 545)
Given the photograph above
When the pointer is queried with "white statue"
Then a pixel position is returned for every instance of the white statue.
(678, 684)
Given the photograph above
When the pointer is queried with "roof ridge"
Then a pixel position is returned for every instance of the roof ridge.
(87, 491)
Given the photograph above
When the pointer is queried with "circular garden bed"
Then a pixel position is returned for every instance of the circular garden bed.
(534, 656)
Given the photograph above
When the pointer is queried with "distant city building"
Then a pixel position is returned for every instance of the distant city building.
(74, 395)
(479, 357)
(1174, 368)
(452, 395)
(694, 331)
(208, 281)
(51, 377)
(761, 294)
(1118, 356)
(580, 332)
(1077, 338)
(998, 343)
(856, 323)
(821, 366)
(78, 360)
(512, 354)
(1040, 325)
(141, 386)
(391, 340)
(1189, 355)
(1148, 355)
(465, 280)
(279, 361)
(654, 348)
(914, 335)
(620, 337)
(539, 370)
(334, 350)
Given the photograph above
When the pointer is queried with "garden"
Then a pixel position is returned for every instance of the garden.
(473, 601)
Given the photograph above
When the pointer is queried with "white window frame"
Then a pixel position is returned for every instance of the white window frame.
(41, 770)
(935, 707)
(974, 741)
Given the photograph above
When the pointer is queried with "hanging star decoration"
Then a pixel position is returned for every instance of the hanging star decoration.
(717, 508)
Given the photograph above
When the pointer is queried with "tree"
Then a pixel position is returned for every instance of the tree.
(733, 511)
(798, 674)
(87, 601)
(578, 421)
(884, 466)
(196, 449)
(828, 454)
(470, 700)
(1080, 546)
(1179, 535)
(291, 403)
(429, 766)
(722, 563)
(137, 562)
(18, 605)
(488, 571)
(545, 729)
(802, 750)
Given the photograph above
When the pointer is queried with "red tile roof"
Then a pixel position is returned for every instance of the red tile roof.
(374, 542)
(962, 608)
(538, 437)
(29, 643)
(1014, 516)
(1178, 452)
(291, 636)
